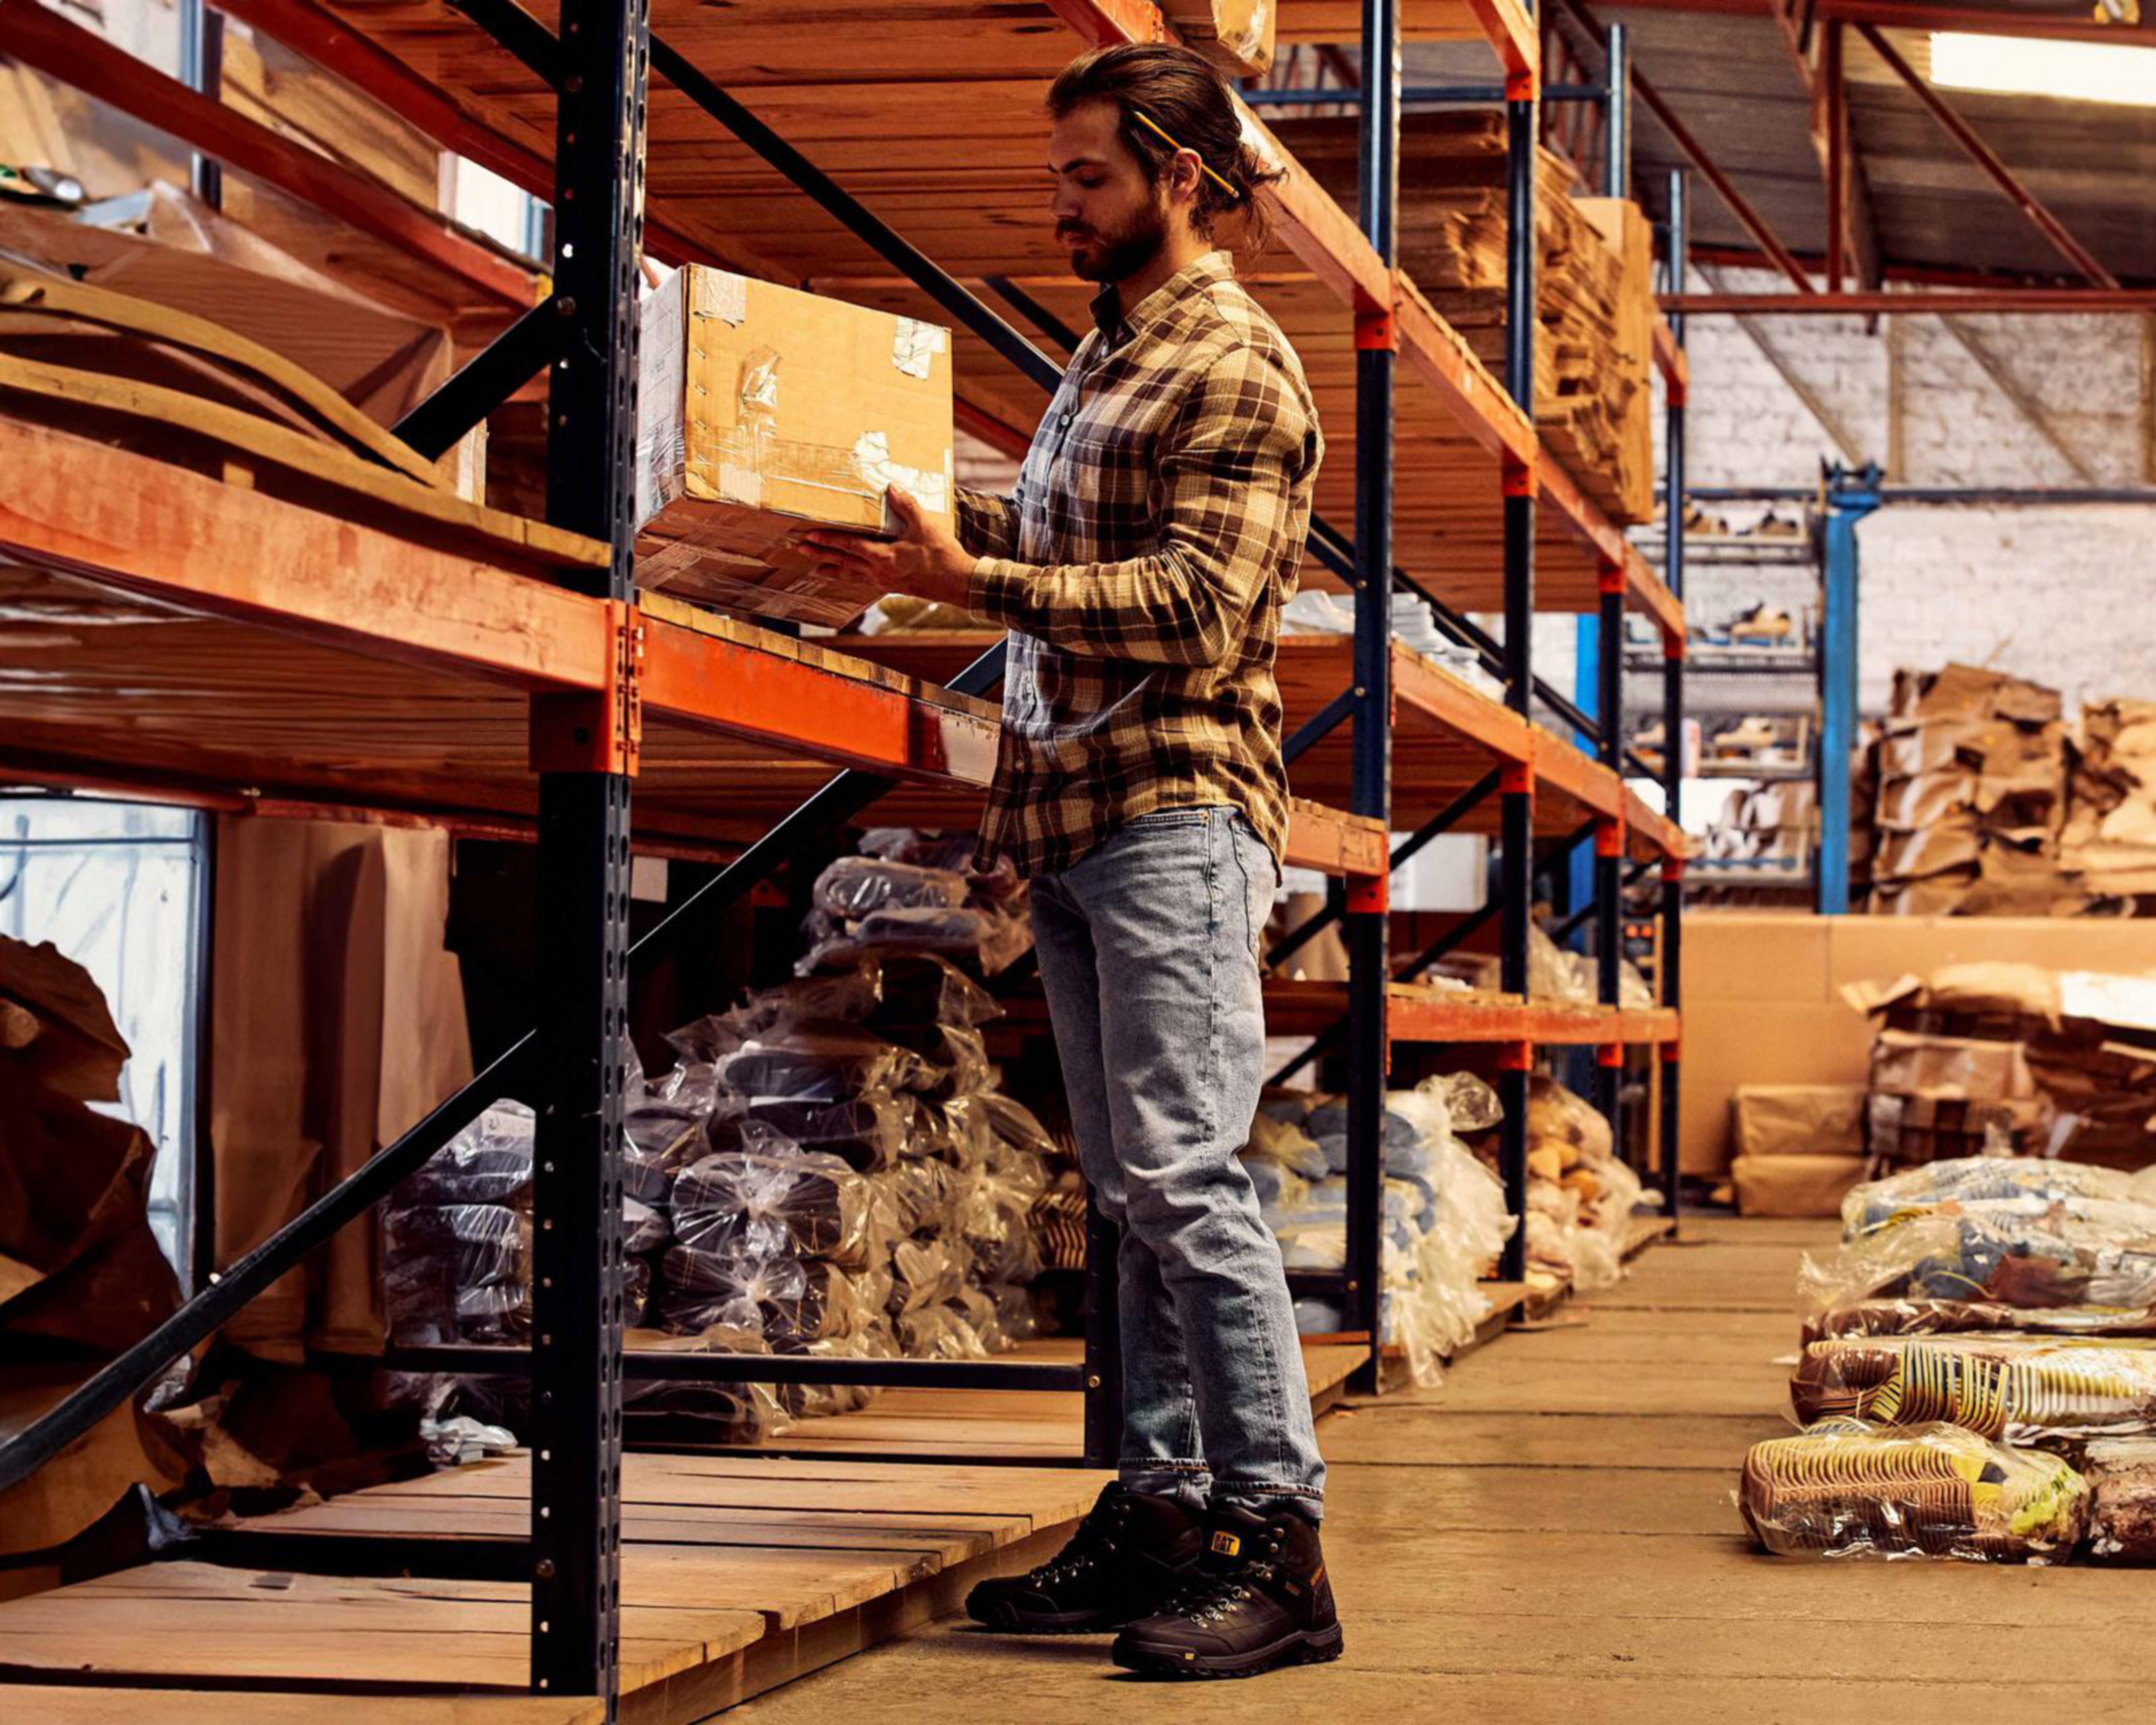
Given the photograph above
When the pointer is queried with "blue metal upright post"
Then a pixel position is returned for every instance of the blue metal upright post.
(1671, 959)
(1517, 867)
(1365, 923)
(1851, 496)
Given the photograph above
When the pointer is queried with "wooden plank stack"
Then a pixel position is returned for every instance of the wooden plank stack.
(1594, 286)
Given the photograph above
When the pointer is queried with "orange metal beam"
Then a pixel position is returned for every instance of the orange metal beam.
(43, 39)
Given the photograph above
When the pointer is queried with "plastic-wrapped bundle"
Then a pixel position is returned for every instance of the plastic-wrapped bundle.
(955, 1056)
(854, 886)
(1945, 1318)
(2079, 1252)
(742, 1203)
(459, 1272)
(995, 1221)
(925, 1273)
(2021, 1185)
(2122, 1476)
(865, 1132)
(938, 1332)
(1000, 883)
(2020, 1389)
(1843, 1487)
(845, 997)
(983, 1316)
(1016, 1133)
(924, 1196)
(1288, 1146)
(875, 1341)
(1556, 1115)
(783, 1299)
(958, 1131)
(489, 1163)
(665, 1116)
(981, 941)
(833, 1063)
(659, 1409)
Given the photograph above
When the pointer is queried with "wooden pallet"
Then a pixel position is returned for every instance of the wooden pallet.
(739, 1571)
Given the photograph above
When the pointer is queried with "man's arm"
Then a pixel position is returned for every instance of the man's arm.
(988, 525)
(1229, 465)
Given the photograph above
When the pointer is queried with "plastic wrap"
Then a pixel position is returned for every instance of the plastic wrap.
(655, 1409)
(984, 942)
(1471, 1103)
(866, 1132)
(665, 1116)
(833, 1063)
(939, 1332)
(1843, 1487)
(742, 1203)
(1286, 1145)
(924, 988)
(926, 1272)
(2122, 1476)
(958, 1131)
(457, 1273)
(783, 1299)
(995, 1220)
(488, 1162)
(1946, 1317)
(955, 1056)
(854, 886)
(924, 1195)
(1556, 1116)
(2025, 1185)
(2020, 1389)
(998, 883)
(2078, 1252)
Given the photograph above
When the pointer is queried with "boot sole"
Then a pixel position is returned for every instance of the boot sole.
(1011, 1622)
(1303, 1647)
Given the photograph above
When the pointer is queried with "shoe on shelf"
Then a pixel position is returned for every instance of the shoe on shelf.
(1129, 1556)
(1259, 1599)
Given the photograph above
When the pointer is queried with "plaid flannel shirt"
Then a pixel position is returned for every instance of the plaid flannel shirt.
(1140, 566)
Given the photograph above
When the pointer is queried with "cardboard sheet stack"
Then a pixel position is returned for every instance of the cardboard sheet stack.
(2012, 1058)
(82, 1276)
(1979, 1375)
(831, 1170)
(1971, 798)
(1594, 285)
(1444, 1213)
(2109, 845)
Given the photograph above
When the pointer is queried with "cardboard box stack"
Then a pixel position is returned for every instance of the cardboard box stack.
(2011, 1057)
(763, 413)
(1972, 788)
(2109, 845)
(1799, 1147)
(1594, 286)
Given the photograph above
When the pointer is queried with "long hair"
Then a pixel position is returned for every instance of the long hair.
(1193, 104)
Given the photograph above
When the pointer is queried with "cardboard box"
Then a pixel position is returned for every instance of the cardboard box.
(1798, 1119)
(1794, 1185)
(764, 413)
(1761, 993)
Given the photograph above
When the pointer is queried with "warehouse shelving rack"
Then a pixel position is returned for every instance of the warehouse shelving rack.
(551, 628)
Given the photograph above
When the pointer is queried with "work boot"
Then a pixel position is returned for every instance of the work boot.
(1260, 1598)
(1130, 1555)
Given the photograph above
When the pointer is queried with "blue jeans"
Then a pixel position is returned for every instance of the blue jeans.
(1148, 949)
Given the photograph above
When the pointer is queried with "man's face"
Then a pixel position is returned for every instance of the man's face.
(1110, 219)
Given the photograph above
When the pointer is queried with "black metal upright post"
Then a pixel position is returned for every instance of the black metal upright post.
(1365, 924)
(1609, 849)
(1516, 869)
(584, 749)
(1673, 715)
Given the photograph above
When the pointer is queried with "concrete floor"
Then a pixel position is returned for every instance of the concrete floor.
(1550, 1536)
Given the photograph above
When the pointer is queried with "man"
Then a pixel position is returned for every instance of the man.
(1140, 566)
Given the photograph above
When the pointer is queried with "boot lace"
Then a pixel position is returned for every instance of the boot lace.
(1094, 1542)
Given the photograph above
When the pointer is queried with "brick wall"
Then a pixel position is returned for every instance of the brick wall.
(2060, 594)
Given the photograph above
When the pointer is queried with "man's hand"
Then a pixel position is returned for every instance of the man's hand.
(925, 560)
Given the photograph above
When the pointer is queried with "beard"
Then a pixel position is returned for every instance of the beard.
(1122, 252)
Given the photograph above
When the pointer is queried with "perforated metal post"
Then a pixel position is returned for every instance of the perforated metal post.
(584, 747)
(1364, 924)
(1609, 850)
(1517, 870)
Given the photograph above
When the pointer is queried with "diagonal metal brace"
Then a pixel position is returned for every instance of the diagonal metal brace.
(496, 372)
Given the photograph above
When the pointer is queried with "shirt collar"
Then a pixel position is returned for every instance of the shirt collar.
(1193, 278)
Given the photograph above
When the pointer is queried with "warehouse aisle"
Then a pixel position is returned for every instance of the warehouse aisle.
(1549, 1537)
